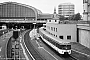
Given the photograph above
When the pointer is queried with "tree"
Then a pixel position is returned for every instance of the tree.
(76, 17)
(61, 17)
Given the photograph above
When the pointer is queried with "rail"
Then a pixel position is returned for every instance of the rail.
(31, 49)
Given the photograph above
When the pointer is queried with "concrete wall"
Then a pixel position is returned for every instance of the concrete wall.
(64, 30)
(84, 34)
(67, 30)
(84, 37)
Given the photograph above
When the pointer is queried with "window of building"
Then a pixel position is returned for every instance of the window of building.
(69, 37)
(51, 28)
(60, 8)
(49, 20)
(56, 29)
(84, 10)
(56, 35)
(61, 37)
(55, 20)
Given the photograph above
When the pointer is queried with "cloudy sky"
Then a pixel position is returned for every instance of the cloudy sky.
(47, 6)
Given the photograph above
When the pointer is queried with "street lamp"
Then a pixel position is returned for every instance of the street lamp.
(34, 29)
(34, 25)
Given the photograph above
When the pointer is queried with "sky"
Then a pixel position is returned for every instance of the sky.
(47, 6)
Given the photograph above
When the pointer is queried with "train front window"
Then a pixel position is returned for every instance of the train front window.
(65, 47)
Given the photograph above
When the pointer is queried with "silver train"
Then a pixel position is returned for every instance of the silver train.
(61, 48)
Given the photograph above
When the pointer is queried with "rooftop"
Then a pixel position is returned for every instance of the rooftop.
(66, 4)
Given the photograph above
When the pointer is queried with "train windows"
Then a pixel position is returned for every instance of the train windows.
(69, 46)
(55, 20)
(61, 37)
(60, 46)
(69, 37)
(57, 45)
(52, 42)
(66, 47)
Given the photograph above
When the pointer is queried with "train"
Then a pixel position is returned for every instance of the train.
(60, 46)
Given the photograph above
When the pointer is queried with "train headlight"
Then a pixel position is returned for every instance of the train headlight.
(62, 52)
(69, 52)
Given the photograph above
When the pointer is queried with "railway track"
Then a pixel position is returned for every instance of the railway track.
(13, 47)
(68, 57)
(72, 57)
(64, 57)
(32, 50)
(9, 49)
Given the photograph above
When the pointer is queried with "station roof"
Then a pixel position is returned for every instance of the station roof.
(13, 10)
(38, 11)
(66, 4)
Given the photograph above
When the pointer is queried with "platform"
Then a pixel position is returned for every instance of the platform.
(77, 47)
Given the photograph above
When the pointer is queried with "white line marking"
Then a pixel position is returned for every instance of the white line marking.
(81, 52)
(24, 52)
(74, 57)
(45, 50)
(50, 54)
(38, 44)
(28, 50)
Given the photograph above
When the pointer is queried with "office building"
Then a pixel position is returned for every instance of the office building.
(66, 9)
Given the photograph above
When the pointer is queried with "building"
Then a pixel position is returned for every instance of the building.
(86, 10)
(22, 14)
(61, 31)
(66, 9)
(14, 11)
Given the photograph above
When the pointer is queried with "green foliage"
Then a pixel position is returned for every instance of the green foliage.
(61, 17)
(76, 17)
